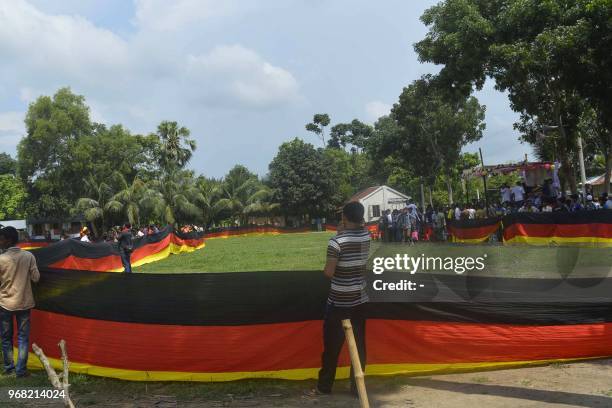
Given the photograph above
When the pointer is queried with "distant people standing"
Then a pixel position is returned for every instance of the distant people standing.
(457, 212)
(125, 242)
(505, 193)
(518, 194)
(17, 272)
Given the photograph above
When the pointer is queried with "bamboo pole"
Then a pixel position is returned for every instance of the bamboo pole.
(53, 377)
(357, 370)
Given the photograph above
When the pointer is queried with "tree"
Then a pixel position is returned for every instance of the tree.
(131, 199)
(354, 135)
(8, 165)
(545, 54)
(300, 175)
(238, 189)
(116, 149)
(47, 164)
(12, 197)
(319, 122)
(176, 145)
(173, 198)
(94, 206)
(261, 203)
(433, 128)
(209, 192)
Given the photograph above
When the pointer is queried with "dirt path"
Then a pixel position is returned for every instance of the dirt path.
(584, 384)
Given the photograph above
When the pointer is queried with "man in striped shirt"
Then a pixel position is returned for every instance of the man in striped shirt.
(347, 256)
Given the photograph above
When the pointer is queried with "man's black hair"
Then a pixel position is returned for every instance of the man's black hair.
(353, 212)
(10, 233)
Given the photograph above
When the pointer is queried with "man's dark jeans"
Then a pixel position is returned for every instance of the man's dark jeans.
(333, 339)
(125, 260)
(23, 339)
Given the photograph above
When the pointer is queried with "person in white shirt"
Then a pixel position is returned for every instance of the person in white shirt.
(505, 193)
(457, 213)
(518, 193)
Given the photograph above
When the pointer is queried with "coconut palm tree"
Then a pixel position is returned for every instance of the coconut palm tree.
(176, 197)
(176, 145)
(209, 192)
(261, 203)
(236, 189)
(131, 199)
(93, 207)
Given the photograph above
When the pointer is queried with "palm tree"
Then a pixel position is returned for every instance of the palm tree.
(260, 203)
(177, 195)
(93, 206)
(236, 189)
(176, 145)
(131, 199)
(209, 192)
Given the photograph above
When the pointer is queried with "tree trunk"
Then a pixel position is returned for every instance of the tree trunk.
(608, 159)
(608, 170)
(565, 160)
(449, 187)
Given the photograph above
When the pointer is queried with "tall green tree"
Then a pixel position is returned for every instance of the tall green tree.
(177, 146)
(301, 178)
(545, 54)
(433, 128)
(48, 163)
(319, 122)
(354, 135)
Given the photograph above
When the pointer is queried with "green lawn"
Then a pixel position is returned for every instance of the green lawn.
(284, 252)
(306, 251)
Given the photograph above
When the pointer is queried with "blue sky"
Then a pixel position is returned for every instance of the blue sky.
(243, 75)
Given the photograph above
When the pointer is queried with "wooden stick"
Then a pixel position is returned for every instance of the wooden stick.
(53, 377)
(358, 372)
(65, 364)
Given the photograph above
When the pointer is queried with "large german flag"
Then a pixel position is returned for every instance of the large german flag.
(591, 228)
(472, 231)
(104, 257)
(228, 326)
(253, 230)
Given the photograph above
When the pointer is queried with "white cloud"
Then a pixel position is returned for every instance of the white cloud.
(147, 69)
(170, 15)
(376, 109)
(66, 47)
(242, 76)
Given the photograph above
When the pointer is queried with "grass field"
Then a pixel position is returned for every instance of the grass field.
(283, 252)
(287, 252)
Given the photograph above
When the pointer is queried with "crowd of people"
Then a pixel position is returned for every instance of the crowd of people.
(410, 224)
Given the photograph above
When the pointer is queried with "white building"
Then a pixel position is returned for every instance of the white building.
(377, 199)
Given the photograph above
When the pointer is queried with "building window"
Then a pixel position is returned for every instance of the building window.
(375, 210)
